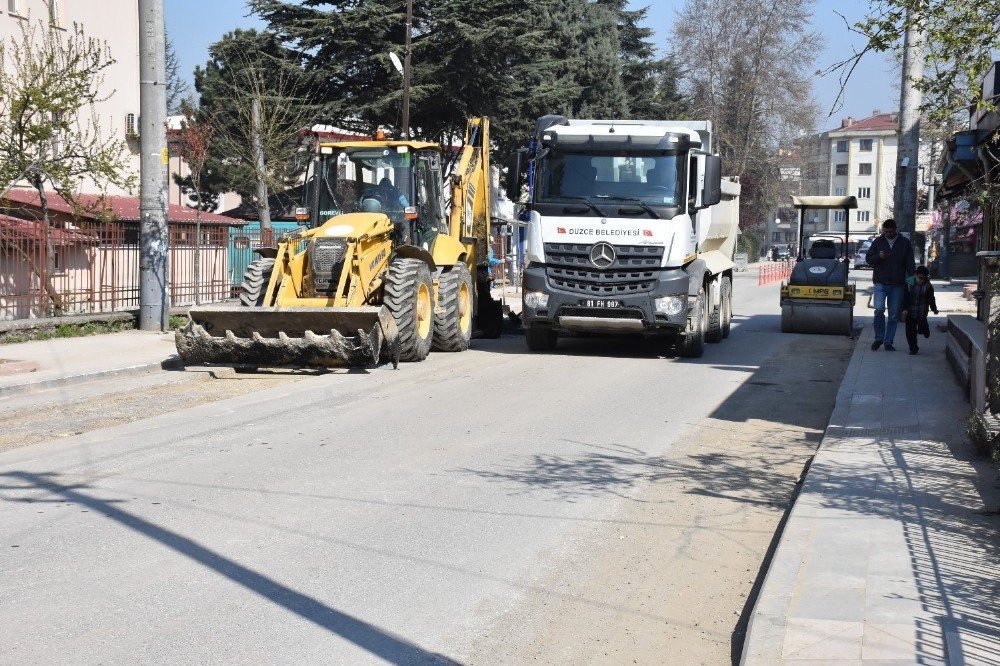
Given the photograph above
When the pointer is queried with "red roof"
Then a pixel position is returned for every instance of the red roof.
(880, 122)
(14, 229)
(122, 209)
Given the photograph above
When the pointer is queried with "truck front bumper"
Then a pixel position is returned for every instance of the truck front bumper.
(568, 311)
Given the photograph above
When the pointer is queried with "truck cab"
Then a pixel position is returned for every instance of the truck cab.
(631, 230)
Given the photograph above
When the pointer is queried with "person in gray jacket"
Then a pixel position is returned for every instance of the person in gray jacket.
(891, 259)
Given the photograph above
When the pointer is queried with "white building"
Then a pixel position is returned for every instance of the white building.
(114, 22)
(857, 159)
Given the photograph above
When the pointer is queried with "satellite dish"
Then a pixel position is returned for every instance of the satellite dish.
(396, 62)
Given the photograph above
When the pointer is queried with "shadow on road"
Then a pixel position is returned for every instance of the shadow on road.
(376, 641)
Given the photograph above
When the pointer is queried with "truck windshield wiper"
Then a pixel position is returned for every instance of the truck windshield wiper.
(637, 201)
(585, 200)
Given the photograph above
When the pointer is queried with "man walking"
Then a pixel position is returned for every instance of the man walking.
(891, 259)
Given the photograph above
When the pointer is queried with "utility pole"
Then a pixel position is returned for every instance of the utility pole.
(263, 207)
(154, 306)
(908, 155)
(407, 70)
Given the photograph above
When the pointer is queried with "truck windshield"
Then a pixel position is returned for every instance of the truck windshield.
(654, 178)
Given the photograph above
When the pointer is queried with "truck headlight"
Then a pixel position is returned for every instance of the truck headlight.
(536, 300)
(669, 305)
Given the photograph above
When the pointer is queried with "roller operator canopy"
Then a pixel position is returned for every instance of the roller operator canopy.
(825, 203)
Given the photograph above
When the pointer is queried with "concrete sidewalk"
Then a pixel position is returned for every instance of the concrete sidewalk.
(62, 361)
(891, 552)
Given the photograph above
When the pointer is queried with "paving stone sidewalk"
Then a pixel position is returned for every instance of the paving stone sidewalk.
(891, 553)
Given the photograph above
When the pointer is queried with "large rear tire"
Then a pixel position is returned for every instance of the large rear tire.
(540, 338)
(727, 306)
(691, 343)
(453, 314)
(253, 289)
(409, 296)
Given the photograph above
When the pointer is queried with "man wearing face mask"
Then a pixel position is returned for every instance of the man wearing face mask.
(891, 259)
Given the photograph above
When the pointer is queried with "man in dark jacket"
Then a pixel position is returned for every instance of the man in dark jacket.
(918, 301)
(891, 259)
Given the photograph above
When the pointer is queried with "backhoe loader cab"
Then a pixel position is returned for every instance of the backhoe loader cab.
(401, 180)
(386, 268)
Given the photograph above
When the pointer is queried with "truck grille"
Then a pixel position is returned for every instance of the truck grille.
(634, 270)
(326, 256)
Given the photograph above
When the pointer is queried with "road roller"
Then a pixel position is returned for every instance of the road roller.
(817, 298)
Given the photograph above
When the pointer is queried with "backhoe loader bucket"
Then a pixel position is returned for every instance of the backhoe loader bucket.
(289, 336)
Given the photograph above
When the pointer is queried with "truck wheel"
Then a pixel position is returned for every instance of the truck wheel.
(540, 338)
(691, 344)
(409, 298)
(716, 317)
(453, 313)
(727, 306)
(253, 289)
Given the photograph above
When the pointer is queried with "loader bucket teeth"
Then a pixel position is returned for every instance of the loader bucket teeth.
(286, 337)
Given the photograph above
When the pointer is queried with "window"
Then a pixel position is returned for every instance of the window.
(839, 216)
(57, 262)
(776, 236)
(840, 191)
(864, 193)
(843, 146)
(866, 145)
(864, 216)
(55, 12)
(841, 170)
(865, 169)
(13, 6)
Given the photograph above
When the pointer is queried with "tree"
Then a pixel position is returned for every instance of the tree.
(50, 81)
(178, 90)
(962, 36)
(747, 64)
(255, 152)
(470, 57)
(194, 140)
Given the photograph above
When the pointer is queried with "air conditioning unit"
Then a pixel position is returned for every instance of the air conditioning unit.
(131, 126)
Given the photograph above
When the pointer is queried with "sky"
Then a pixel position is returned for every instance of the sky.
(195, 24)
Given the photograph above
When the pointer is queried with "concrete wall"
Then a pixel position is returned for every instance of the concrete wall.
(114, 22)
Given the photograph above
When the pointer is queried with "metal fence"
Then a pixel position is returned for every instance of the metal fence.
(51, 271)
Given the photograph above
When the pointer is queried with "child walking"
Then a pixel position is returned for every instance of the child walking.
(918, 299)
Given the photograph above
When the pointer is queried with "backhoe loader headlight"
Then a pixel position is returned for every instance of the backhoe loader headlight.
(669, 305)
(536, 300)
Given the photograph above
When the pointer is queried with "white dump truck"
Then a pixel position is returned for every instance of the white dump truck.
(631, 230)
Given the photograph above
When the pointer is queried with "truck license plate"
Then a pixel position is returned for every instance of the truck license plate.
(600, 303)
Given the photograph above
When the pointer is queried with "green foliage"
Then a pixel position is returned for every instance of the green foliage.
(499, 58)
(68, 331)
(961, 38)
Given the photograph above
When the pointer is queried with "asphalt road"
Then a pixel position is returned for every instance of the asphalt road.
(605, 503)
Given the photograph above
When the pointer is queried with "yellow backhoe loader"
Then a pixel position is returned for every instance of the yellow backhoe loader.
(385, 271)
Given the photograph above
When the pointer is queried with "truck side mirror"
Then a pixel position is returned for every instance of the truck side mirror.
(712, 191)
(514, 176)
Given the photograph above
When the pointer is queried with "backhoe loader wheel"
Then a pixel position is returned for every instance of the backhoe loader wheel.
(409, 296)
(727, 306)
(255, 279)
(691, 343)
(454, 312)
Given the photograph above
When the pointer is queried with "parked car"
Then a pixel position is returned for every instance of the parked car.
(782, 253)
(859, 257)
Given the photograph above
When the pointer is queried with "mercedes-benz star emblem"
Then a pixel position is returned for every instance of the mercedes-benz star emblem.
(602, 255)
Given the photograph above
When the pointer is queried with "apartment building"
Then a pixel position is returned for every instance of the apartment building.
(115, 22)
(856, 159)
